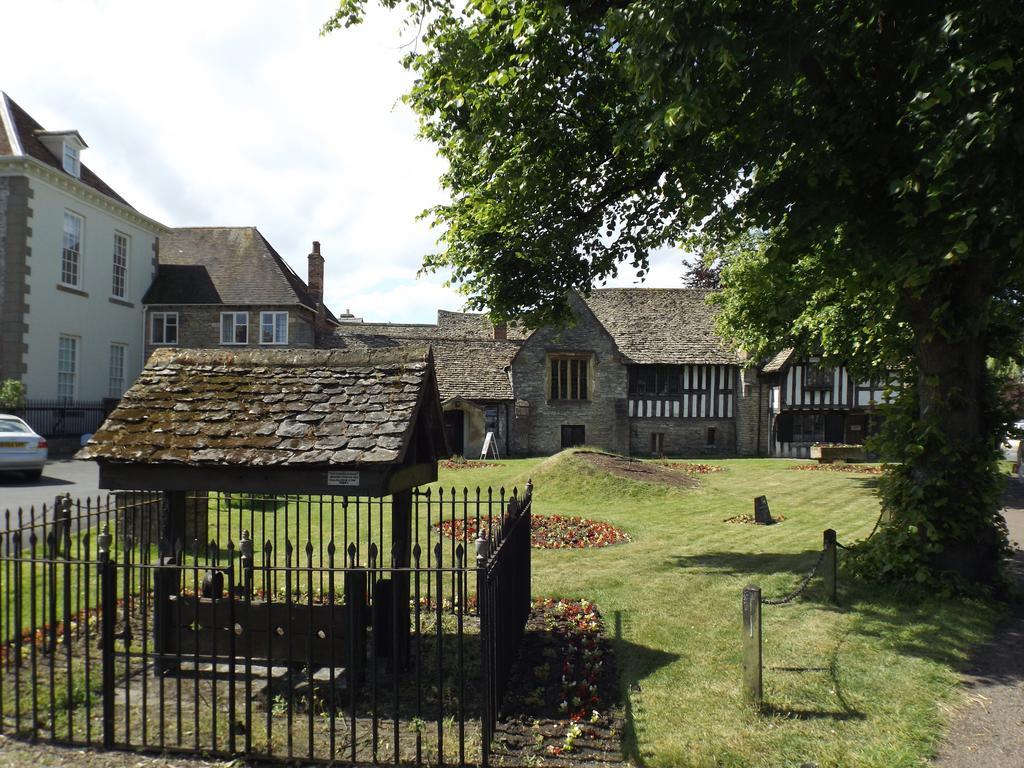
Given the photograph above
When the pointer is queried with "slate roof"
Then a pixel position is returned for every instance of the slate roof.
(224, 265)
(26, 128)
(662, 326)
(258, 408)
(778, 362)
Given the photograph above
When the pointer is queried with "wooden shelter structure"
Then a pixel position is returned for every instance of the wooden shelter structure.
(280, 421)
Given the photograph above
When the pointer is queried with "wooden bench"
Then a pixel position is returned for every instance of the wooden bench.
(233, 630)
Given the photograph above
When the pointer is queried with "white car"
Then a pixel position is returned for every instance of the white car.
(21, 449)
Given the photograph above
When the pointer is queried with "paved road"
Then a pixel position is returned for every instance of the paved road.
(79, 478)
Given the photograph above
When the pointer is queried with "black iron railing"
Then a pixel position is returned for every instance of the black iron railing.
(61, 418)
(275, 633)
(503, 594)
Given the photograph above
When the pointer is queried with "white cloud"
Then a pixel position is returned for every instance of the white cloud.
(236, 112)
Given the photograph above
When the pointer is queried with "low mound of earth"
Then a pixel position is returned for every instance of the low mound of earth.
(636, 470)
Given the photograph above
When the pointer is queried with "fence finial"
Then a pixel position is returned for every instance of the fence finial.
(245, 545)
(104, 539)
(481, 548)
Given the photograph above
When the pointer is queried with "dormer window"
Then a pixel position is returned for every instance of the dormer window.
(66, 147)
(71, 163)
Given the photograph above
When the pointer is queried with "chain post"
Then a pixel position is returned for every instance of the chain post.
(830, 563)
(752, 655)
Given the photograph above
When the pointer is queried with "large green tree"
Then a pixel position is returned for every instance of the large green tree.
(878, 146)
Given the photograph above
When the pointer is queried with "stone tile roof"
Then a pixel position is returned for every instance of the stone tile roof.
(280, 408)
(473, 325)
(777, 363)
(224, 265)
(26, 128)
(389, 330)
(665, 326)
(473, 369)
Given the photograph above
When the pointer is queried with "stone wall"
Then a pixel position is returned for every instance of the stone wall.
(474, 427)
(683, 437)
(15, 215)
(199, 326)
(753, 425)
(602, 415)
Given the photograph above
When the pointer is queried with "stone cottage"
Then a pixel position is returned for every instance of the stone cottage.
(641, 372)
(228, 287)
(473, 361)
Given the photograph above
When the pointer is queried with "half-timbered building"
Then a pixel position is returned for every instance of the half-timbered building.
(642, 371)
(811, 402)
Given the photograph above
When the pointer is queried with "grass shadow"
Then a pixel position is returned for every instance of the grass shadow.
(739, 563)
(636, 663)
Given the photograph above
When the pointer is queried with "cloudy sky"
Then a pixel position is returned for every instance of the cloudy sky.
(233, 113)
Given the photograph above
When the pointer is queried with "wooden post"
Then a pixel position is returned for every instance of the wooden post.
(752, 682)
(401, 542)
(829, 564)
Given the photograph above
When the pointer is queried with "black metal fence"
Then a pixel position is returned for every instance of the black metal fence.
(61, 418)
(275, 633)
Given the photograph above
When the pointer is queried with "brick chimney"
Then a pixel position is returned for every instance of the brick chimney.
(500, 331)
(315, 279)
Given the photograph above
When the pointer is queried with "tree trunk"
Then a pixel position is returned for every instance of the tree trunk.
(955, 472)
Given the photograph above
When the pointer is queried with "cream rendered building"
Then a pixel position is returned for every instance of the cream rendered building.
(75, 260)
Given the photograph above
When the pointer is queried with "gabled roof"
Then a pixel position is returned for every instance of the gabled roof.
(475, 370)
(224, 265)
(20, 137)
(780, 361)
(269, 408)
(663, 326)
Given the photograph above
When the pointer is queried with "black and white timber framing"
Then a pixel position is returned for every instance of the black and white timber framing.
(704, 392)
(814, 403)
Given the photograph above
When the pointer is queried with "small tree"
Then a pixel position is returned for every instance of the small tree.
(12, 394)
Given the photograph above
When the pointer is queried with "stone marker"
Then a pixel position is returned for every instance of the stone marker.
(762, 515)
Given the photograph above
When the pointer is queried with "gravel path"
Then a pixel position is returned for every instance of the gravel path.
(989, 731)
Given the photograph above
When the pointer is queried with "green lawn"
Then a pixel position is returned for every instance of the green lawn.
(869, 682)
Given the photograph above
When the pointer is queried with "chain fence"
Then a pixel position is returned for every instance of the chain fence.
(804, 583)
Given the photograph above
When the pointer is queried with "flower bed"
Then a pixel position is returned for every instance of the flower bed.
(749, 520)
(829, 452)
(693, 468)
(549, 532)
(450, 464)
(859, 469)
(561, 700)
